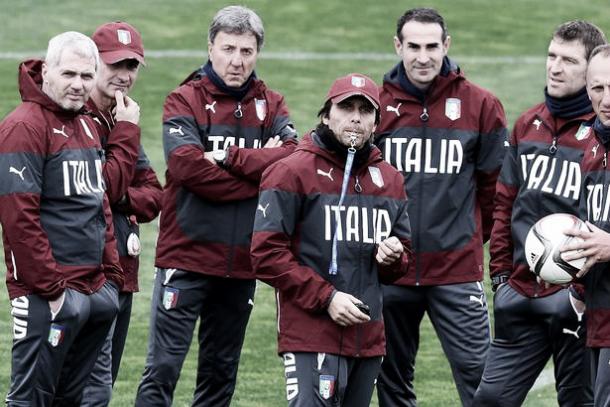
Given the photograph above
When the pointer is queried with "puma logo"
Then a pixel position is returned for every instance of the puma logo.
(62, 132)
(14, 170)
(569, 332)
(537, 123)
(263, 209)
(211, 107)
(178, 130)
(394, 109)
(477, 299)
(326, 174)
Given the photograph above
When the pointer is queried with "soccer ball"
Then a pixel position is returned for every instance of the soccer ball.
(542, 245)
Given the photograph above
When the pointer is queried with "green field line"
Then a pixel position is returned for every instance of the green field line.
(311, 56)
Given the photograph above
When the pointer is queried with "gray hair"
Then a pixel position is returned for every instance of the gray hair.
(237, 20)
(604, 50)
(74, 41)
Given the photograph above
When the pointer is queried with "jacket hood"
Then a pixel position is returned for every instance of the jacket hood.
(450, 72)
(312, 144)
(30, 86)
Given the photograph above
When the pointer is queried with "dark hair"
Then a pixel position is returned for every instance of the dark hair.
(324, 111)
(421, 15)
(587, 33)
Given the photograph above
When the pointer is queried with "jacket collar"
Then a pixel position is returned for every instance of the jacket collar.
(200, 78)
(311, 143)
(450, 74)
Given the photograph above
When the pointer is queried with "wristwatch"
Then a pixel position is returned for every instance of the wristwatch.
(497, 280)
(219, 156)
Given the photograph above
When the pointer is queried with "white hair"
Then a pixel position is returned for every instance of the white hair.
(74, 41)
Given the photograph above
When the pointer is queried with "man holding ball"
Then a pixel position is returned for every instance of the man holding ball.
(595, 246)
(540, 176)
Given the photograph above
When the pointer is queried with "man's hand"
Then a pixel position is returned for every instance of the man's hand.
(595, 247)
(343, 311)
(273, 142)
(389, 251)
(56, 304)
(126, 109)
(543, 283)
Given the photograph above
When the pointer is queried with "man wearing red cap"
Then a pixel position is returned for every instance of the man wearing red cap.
(221, 129)
(63, 273)
(135, 195)
(331, 225)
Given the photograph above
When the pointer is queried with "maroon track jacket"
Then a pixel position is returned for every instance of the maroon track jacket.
(138, 190)
(296, 219)
(56, 220)
(540, 176)
(208, 211)
(449, 147)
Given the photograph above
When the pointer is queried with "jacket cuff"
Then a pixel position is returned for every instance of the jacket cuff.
(330, 298)
(228, 162)
(115, 277)
(54, 294)
(129, 126)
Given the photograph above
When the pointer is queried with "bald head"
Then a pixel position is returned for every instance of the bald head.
(598, 83)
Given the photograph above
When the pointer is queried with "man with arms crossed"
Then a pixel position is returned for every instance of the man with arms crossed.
(540, 176)
(214, 126)
(63, 273)
(134, 196)
(332, 223)
(445, 135)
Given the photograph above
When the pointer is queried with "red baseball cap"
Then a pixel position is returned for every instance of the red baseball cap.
(352, 85)
(118, 41)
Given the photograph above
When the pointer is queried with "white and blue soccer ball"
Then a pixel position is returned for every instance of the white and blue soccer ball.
(542, 245)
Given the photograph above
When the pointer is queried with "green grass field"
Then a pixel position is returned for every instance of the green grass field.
(500, 45)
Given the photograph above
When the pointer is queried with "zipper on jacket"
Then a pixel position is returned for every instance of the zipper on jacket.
(238, 134)
(232, 245)
(424, 117)
(238, 112)
(553, 147)
(360, 272)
